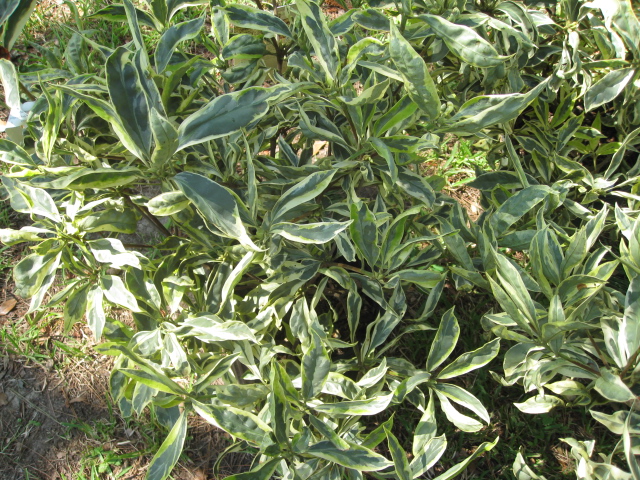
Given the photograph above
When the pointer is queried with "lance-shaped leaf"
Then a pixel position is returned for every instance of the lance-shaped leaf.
(517, 206)
(315, 367)
(356, 457)
(167, 203)
(254, 19)
(173, 6)
(399, 457)
(462, 397)
(16, 17)
(167, 456)
(263, 471)
(172, 37)
(117, 13)
(324, 45)
(234, 421)
(415, 74)
(630, 326)
(7, 8)
(471, 360)
(607, 88)
(315, 233)
(224, 115)
(10, 152)
(116, 292)
(463, 422)
(444, 342)
(464, 42)
(482, 112)
(306, 190)
(371, 406)
(456, 469)
(208, 330)
(105, 111)
(428, 455)
(364, 232)
(153, 379)
(215, 204)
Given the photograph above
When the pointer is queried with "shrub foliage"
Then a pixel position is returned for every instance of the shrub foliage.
(291, 276)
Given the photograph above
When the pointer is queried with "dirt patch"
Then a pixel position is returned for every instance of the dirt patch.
(37, 411)
(469, 199)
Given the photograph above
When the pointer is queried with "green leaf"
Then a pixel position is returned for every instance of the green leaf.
(356, 457)
(484, 111)
(315, 368)
(18, 16)
(415, 74)
(462, 397)
(428, 455)
(172, 37)
(10, 152)
(464, 42)
(373, 376)
(75, 307)
(209, 330)
(223, 115)
(314, 233)
(522, 471)
(7, 8)
(102, 178)
(456, 469)
(9, 236)
(630, 325)
(95, 312)
(167, 204)
(328, 433)
(471, 360)
(426, 429)
(116, 13)
(110, 220)
(516, 206)
(417, 187)
(154, 379)
(399, 457)
(371, 19)
(607, 88)
(325, 47)
(253, 19)
(444, 342)
(30, 272)
(112, 252)
(463, 422)
(301, 193)
(539, 404)
(216, 205)
(105, 111)
(611, 387)
(132, 19)
(234, 421)
(169, 453)
(263, 471)
(116, 292)
(403, 109)
(364, 232)
(514, 286)
(173, 6)
(371, 406)
(244, 47)
(385, 152)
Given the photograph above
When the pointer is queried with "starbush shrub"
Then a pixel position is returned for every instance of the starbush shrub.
(287, 275)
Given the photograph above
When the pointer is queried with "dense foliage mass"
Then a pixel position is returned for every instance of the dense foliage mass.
(292, 276)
